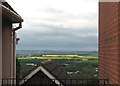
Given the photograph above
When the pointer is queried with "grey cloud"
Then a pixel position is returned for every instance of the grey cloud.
(71, 43)
(57, 31)
(59, 37)
(52, 32)
(64, 16)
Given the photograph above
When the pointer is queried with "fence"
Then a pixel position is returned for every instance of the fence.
(55, 82)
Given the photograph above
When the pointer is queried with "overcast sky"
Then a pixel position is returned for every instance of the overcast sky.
(57, 24)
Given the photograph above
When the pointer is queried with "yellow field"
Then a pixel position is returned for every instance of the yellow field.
(63, 57)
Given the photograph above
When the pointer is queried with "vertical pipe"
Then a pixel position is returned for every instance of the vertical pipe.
(14, 57)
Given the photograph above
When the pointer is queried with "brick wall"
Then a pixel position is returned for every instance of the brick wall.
(109, 41)
(119, 42)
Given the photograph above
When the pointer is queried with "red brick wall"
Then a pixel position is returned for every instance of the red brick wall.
(119, 42)
(108, 41)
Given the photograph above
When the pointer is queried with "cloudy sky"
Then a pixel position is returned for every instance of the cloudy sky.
(57, 24)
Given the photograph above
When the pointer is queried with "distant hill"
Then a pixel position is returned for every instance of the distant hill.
(40, 52)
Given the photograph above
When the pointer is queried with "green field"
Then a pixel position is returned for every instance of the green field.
(76, 66)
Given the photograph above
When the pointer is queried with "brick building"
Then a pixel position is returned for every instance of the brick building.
(109, 40)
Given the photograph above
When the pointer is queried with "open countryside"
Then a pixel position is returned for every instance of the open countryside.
(78, 66)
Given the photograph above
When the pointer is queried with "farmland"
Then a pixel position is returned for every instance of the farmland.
(77, 66)
(63, 57)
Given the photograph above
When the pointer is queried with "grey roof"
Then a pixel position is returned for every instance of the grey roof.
(55, 70)
(52, 68)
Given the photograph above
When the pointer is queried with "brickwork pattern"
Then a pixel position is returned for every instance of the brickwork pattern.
(109, 41)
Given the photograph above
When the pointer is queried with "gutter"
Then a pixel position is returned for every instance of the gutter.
(20, 26)
(11, 14)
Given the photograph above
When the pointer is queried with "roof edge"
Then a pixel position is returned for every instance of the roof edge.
(10, 13)
(40, 68)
